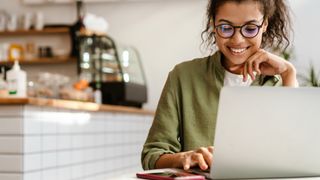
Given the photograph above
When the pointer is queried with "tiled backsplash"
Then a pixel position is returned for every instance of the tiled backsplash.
(46, 143)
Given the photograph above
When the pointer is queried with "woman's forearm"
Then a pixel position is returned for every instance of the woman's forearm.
(289, 76)
(169, 161)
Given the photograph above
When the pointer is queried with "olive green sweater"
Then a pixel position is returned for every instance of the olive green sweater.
(185, 118)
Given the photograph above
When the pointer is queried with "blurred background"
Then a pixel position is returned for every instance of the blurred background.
(164, 32)
(115, 52)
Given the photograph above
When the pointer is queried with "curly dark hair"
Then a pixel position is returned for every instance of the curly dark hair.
(276, 11)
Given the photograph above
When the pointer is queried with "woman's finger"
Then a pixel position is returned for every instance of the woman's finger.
(207, 155)
(198, 158)
(244, 72)
(253, 62)
(186, 162)
(211, 148)
(257, 68)
(250, 69)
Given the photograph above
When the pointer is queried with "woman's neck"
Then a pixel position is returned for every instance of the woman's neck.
(233, 68)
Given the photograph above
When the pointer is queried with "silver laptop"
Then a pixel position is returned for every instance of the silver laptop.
(267, 132)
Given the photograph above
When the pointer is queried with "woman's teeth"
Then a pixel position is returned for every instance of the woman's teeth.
(234, 50)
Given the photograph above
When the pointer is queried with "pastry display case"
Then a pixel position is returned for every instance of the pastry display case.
(114, 69)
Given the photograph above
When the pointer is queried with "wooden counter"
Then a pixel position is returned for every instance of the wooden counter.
(76, 105)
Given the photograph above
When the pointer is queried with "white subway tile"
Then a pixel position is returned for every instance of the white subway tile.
(32, 125)
(49, 160)
(11, 125)
(5, 176)
(88, 169)
(99, 167)
(32, 144)
(11, 144)
(77, 141)
(90, 127)
(32, 162)
(100, 153)
(100, 138)
(77, 171)
(88, 140)
(49, 143)
(11, 163)
(49, 125)
(64, 173)
(77, 156)
(49, 174)
(13, 110)
(100, 125)
(63, 128)
(87, 155)
(63, 158)
(64, 142)
(32, 176)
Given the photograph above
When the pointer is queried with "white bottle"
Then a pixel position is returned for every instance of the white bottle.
(97, 94)
(17, 81)
(3, 84)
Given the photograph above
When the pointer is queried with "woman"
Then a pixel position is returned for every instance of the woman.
(182, 133)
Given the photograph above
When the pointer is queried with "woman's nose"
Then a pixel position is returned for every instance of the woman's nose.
(237, 37)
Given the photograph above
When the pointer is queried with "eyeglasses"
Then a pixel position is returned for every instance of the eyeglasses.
(246, 30)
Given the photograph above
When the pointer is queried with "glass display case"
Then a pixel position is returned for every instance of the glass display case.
(115, 69)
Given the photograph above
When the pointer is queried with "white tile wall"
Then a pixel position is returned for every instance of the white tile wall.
(7, 176)
(32, 162)
(32, 144)
(59, 144)
(10, 125)
(11, 144)
(11, 163)
(32, 176)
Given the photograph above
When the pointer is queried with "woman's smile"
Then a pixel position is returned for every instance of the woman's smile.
(237, 51)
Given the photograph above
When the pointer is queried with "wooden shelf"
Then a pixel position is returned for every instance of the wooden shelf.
(52, 60)
(45, 31)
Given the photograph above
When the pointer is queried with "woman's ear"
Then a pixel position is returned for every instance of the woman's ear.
(265, 25)
(212, 25)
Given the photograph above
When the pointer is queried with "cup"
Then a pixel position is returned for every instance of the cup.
(27, 21)
(39, 22)
(12, 22)
(3, 21)
(30, 51)
(4, 48)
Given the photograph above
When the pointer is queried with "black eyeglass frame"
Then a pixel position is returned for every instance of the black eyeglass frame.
(239, 27)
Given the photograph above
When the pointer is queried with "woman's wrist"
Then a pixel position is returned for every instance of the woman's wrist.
(169, 161)
(289, 75)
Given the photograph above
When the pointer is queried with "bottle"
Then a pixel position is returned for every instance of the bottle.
(17, 81)
(15, 52)
(97, 94)
(3, 84)
(77, 28)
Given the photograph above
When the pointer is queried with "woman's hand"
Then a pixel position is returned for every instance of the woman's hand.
(266, 63)
(201, 157)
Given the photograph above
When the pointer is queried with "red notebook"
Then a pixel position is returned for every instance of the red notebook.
(169, 174)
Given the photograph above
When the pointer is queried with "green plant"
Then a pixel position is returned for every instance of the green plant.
(312, 79)
(287, 54)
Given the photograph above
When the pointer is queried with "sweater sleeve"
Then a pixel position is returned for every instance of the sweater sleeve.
(163, 137)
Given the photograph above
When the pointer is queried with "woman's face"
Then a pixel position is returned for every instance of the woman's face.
(237, 49)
